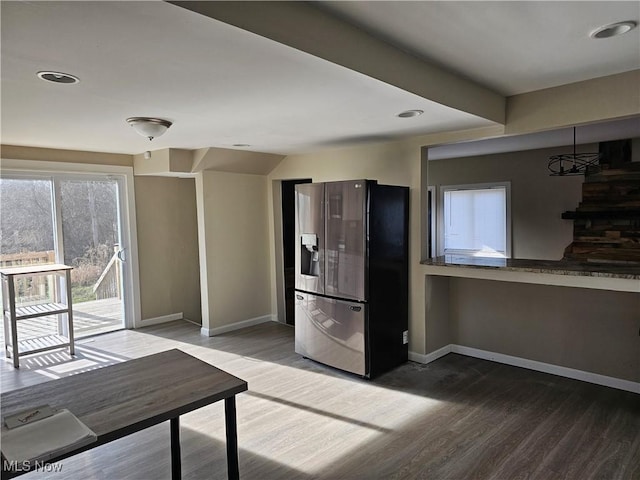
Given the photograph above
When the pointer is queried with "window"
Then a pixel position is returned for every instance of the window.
(72, 219)
(475, 220)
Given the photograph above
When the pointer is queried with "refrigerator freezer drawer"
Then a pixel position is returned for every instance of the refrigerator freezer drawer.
(331, 332)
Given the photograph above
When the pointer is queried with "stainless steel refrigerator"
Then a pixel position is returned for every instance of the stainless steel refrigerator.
(351, 275)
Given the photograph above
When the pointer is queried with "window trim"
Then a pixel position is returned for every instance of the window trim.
(439, 230)
(431, 221)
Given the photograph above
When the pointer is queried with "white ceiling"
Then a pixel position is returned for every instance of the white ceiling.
(510, 46)
(222, 85)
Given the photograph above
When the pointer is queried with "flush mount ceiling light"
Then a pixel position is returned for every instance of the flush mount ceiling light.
(58, 77)
(577, 163)
(410, 113)
(614, 29)
(149, 127)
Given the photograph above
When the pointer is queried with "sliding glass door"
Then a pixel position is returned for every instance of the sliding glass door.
(27, 234)
(73, 220)
(91, 243)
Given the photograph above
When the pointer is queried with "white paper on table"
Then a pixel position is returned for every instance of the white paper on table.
(47, 438)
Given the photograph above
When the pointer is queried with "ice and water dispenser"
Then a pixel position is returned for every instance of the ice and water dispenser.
(309, 256)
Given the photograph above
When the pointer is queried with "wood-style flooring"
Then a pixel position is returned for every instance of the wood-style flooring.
(456, 418)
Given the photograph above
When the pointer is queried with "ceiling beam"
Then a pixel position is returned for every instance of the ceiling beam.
(596, 100)
(309, 29)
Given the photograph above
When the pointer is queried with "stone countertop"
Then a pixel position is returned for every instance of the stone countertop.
(630, 271)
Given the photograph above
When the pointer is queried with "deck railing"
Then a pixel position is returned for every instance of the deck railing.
(41, 288)
(32, 289)
(108, 285)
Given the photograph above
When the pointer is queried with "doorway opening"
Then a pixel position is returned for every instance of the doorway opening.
(289, 245)
(74, 220)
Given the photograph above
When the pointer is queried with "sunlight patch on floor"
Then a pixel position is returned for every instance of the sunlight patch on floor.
(313, 427)
(80, 364)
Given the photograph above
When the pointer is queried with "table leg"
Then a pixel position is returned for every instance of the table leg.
(232, 438)
(176, 467)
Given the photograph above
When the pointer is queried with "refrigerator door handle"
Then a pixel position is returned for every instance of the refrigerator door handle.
(299, 297)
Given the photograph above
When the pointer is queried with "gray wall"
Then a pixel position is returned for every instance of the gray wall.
(537, 199)
(168, 247)
(590, 330)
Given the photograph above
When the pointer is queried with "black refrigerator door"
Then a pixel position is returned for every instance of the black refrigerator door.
(331, 331)
(345, 239)
(310, 234)
(388, 276)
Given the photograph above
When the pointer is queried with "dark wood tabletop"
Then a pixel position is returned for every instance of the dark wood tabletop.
(121, 399)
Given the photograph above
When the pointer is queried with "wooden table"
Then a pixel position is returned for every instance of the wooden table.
(122, 399)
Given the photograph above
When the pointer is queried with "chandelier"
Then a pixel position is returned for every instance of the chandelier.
(573, 163)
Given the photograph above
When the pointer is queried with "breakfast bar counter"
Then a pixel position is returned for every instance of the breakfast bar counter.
(624, 277)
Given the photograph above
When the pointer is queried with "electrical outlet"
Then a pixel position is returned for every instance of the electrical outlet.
(405, 337)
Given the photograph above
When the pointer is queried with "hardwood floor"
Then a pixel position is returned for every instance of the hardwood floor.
(456, 418)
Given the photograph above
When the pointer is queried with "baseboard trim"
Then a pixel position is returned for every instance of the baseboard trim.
(429, 357)
(211, 332)
(572, 373)
(191, 321)
(145, 322)
(589, 377)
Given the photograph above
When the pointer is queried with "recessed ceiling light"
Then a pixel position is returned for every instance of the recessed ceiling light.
(241, 145)
(614, 29)
(58, 77)
(410, 113)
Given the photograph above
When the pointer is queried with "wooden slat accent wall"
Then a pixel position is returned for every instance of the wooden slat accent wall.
(607, 221)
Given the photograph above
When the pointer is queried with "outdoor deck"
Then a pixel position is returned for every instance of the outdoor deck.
(97, 316)
(89, 318)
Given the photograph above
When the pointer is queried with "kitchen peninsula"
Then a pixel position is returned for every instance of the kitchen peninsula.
(576, 319)
(624, 277)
